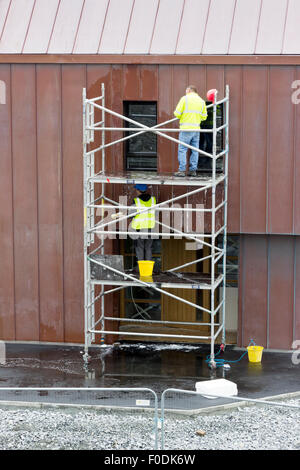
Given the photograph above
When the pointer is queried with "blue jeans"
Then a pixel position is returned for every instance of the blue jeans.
(191, 138)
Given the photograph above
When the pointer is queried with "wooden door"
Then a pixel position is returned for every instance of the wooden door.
(174, 253)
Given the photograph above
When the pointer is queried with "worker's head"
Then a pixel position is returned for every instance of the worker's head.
(142, 188)
(211, 94)
(191, 89)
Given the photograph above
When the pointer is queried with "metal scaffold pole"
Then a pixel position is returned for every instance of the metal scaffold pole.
(225, 210)
(85, 234)
(173, 278)
(102, 339)
(213, 239)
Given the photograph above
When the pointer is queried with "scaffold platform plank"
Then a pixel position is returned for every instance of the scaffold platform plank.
(144, 177)
(167, 280)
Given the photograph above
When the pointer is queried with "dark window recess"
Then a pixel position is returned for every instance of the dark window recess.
(141, 151)
(206, 140)
(141, 302)
(232, 260)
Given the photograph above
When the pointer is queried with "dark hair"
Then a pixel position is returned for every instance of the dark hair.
(192, 88)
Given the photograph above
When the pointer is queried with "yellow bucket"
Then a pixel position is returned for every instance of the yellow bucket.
(255, 353)
(146, 268)
(146, 278)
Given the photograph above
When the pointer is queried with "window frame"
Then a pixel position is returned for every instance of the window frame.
(127, 154)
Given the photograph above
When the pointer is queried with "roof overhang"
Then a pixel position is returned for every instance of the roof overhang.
(150, 59)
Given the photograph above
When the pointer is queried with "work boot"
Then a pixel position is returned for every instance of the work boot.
(192, 173)
(180, 173)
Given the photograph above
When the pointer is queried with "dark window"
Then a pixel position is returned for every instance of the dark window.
(141, 151)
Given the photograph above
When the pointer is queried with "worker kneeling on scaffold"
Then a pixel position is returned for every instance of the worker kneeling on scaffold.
(143, 223)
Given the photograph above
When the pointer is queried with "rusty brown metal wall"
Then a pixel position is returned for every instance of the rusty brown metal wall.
(269, 300)
(41, 277)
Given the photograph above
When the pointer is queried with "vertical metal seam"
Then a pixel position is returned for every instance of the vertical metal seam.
(188, 72)
(61, 185)
(53, 26)
(241, 146)
(77, 29)
(294, 160)
(37, 203)
(154, 24)
(5, 21)
(294, 224)
(12, 199)
(27, 30)
(187, 75)
(62, 201)
(129, 21)
(294, 290)
(267, 205)
(239, 312)
(242, 317)
(140, 87)
(284, 27)
(103, 26)
(268, 292)
(222, 68)
(205, 27)
(258, 24)
(179, 28)
(231, 27)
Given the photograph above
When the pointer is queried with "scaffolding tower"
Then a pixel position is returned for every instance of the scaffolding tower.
(113, 277)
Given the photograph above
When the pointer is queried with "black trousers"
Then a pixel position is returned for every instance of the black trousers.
(143, 248)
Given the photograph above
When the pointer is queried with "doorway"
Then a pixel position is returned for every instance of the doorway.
(140, 302)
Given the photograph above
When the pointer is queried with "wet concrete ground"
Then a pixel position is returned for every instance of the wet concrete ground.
(154, 366)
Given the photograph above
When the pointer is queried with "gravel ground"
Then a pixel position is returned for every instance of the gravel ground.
(253, 427)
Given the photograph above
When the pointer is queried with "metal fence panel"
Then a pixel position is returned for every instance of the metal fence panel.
(185, 414)
(122, 418)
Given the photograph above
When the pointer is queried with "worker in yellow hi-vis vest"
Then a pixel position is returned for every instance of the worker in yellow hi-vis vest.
(191, 111)
(144, 222)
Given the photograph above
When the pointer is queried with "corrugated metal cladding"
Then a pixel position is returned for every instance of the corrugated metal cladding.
(149, 26)
(269, 298)
(41, 269)
(264, 174)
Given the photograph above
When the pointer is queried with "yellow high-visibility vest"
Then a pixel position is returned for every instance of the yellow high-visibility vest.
(147, 218)
(190, 111)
